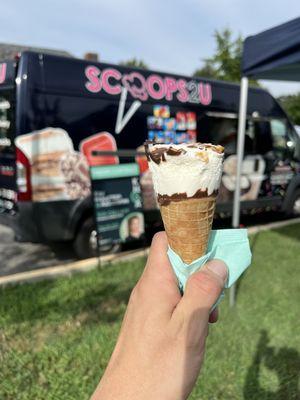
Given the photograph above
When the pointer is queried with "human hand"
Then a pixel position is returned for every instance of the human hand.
(161, 344)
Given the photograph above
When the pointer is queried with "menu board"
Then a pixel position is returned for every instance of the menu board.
(180, 128)
(117, 203)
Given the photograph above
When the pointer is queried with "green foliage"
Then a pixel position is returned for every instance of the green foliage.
(134, 62)
(57, 336)
(208, 70)
(225, 64)
(291, 105)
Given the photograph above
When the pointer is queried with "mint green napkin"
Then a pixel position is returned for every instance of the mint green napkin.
(229, 245)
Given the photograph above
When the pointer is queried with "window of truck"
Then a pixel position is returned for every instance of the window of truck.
(278, 129)
(282, 138)
(222, 128)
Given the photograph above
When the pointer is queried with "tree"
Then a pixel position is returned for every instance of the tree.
(291, 104)
(134, 62)
(207, 71)
(225, 64)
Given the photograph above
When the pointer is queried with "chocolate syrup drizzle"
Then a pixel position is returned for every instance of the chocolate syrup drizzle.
(159, 154)
(164, 199)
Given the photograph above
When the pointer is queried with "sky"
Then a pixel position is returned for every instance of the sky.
(169, 35)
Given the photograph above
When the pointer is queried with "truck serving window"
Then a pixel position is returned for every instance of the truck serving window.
(283, 140)
(278, 129)
(6, 118)
(222, 128)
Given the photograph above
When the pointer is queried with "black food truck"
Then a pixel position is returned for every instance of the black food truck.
(56, 113)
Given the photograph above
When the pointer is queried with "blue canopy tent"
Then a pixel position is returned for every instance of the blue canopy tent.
(272, 54)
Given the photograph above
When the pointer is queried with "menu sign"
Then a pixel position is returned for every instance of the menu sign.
(117, 203)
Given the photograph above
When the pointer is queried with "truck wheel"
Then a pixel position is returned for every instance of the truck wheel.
(295, 209)
(85, 243)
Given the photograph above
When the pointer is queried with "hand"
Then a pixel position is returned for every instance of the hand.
(161, 344)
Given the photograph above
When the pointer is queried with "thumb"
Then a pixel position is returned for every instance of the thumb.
(204, 288)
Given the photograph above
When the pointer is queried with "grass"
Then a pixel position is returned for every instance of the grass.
(56, 336)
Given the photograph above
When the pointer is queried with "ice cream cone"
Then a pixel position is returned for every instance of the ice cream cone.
(186, 180)
(188, 224)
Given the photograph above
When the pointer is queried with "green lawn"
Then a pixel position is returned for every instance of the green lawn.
(56, 336)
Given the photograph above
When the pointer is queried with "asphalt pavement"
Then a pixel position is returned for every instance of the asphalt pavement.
(20, 257)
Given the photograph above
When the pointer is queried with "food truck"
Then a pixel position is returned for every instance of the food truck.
(57, 113)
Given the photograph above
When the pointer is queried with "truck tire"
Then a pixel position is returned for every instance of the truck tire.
(85, 242)
(295, 204)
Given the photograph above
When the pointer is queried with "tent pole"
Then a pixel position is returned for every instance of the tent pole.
(240, 156)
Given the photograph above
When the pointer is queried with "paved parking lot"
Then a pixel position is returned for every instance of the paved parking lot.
(18, 257)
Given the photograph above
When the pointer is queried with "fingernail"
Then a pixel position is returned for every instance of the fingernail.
(219, 268)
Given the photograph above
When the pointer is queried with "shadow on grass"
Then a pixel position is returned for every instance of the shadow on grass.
(103, 303)
(291, 231)
(285, 362)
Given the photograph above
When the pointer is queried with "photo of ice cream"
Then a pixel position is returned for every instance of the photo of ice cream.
(77, 177)
(152, 135)
(146, 183)
(170, 124)
(253, 169)
(229, 177)
(161, 111)
(181, 121)
(148, 193)
(191, 123)
(169, 137)
(181, 137)
(45, 149)
(159, 136)
(186, 180)
(154, 122)
(192, 136)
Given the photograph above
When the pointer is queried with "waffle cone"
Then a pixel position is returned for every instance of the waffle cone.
(188, 224)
